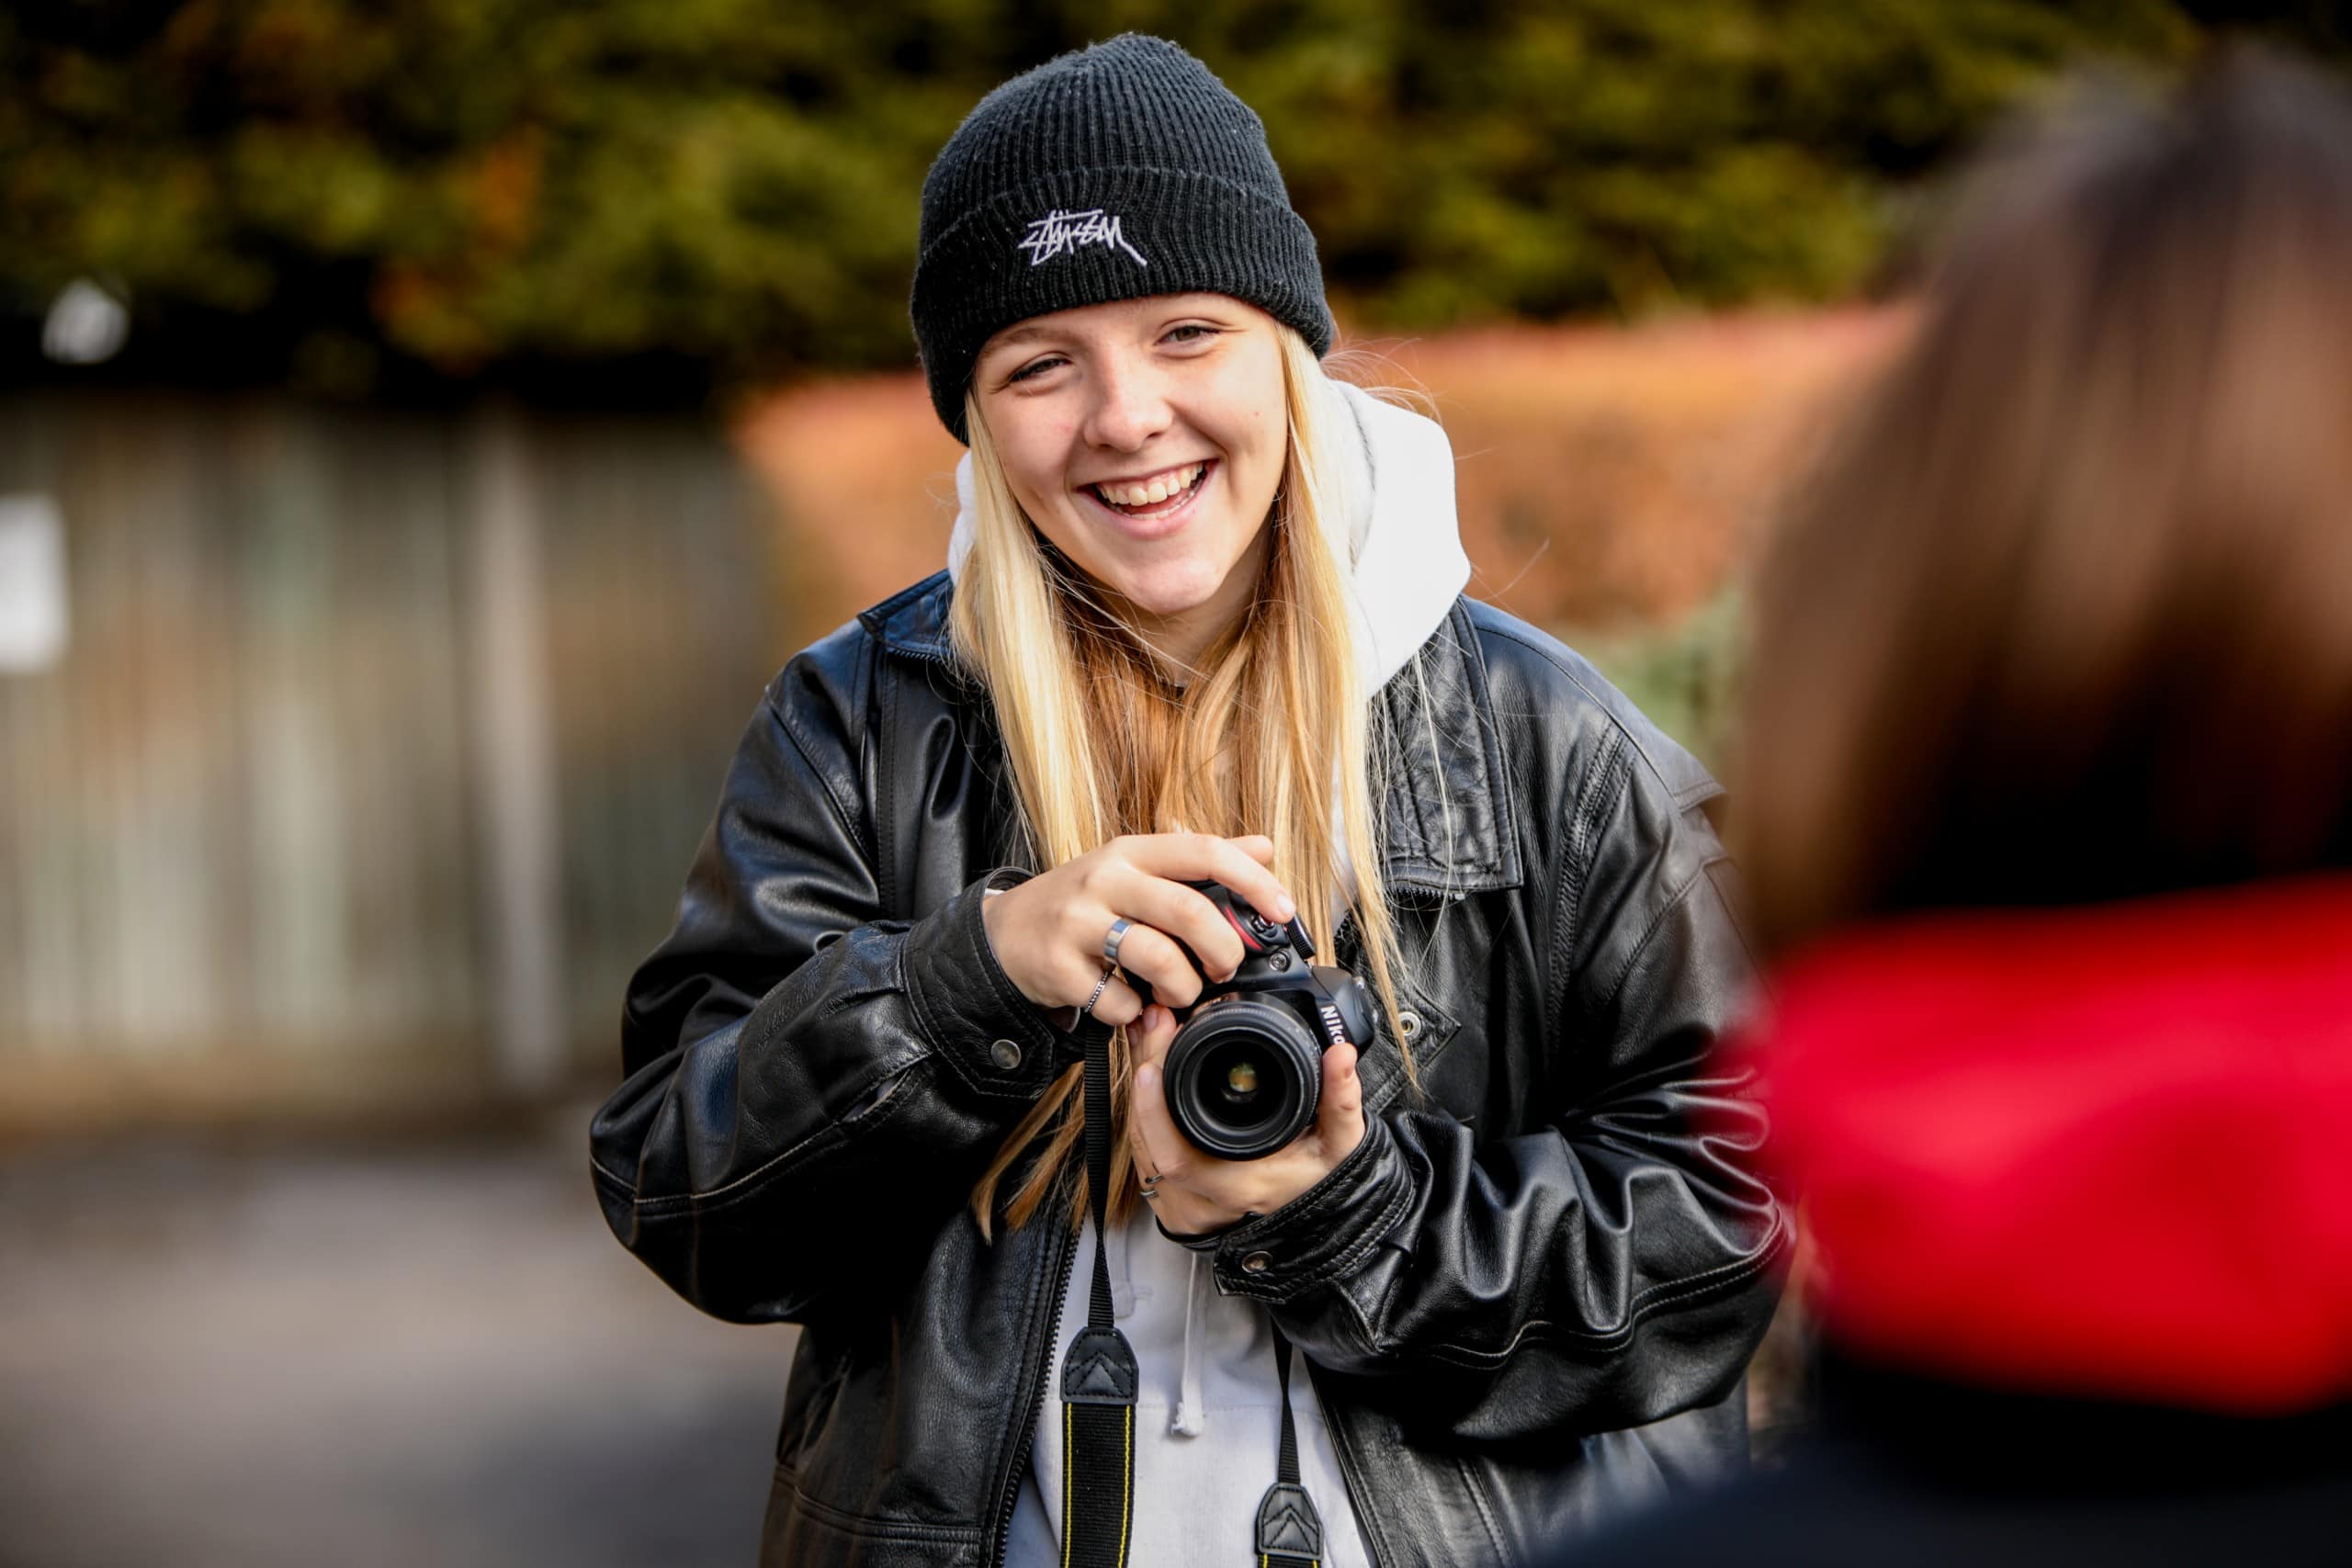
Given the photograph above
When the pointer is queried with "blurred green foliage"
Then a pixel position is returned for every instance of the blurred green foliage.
(458, 184)
(1683, 675)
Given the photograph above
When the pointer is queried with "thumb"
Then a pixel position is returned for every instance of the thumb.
(1151, 1034)
(1339, 1120)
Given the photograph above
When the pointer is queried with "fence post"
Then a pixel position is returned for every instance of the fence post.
(514, 749)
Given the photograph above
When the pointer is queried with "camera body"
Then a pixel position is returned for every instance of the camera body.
(1244, 1075)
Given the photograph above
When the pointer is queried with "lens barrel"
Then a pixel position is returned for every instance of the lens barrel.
(1243, 1078)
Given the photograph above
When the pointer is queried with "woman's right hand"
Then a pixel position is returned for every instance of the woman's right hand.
(1048, 931)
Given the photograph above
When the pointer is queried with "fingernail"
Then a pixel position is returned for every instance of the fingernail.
(1147, 1078)
(1284, 909)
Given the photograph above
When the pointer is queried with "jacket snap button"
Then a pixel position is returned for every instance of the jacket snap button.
(1258, 1262)
(1409, 1024)
(1007, 1054)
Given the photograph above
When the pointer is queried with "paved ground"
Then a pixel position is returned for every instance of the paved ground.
(422, 1358)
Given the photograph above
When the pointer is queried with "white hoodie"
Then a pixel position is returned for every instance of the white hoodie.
(1208, 1360)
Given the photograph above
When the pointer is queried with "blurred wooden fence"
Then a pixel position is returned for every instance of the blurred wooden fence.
(374, 757)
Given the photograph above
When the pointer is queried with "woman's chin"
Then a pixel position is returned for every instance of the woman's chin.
(1170, 600)
(1168, 592)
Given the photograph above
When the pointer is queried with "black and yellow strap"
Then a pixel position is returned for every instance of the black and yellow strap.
(1098, 1375)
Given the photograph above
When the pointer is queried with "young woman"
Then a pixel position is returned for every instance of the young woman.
(1202, 624)
(2050, 802)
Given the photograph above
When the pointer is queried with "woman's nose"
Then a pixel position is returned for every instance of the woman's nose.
(1130, 408)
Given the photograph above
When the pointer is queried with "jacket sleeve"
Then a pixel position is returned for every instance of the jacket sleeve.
(1606, 1269)
(811, 1089)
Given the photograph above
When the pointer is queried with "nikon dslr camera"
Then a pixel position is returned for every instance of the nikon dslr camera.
(1245, 1072)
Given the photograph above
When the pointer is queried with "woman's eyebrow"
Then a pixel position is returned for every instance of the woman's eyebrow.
(1209, 309)
(1012, 337)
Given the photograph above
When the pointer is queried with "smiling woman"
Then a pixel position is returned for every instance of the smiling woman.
(1144, 440)
(1197, 704)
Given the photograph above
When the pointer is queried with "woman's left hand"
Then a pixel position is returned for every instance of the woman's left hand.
(1198, 1193)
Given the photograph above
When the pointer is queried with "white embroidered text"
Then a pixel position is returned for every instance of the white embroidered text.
(1058, 231)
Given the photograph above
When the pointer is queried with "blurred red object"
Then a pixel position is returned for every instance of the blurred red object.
(2102, 1151)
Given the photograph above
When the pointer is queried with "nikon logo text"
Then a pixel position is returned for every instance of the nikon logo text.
(1058, 231)
(1332, 1026)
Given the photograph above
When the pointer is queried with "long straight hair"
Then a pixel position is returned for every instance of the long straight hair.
(1273, 723)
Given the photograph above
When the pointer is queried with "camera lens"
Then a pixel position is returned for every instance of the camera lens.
(1243, 1078)
(1233, 1079)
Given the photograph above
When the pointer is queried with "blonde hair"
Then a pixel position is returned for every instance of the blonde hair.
(1100, 746)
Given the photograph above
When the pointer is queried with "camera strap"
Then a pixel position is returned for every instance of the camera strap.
(1099, 1373)
(1289, 1529)
(1100, 1380)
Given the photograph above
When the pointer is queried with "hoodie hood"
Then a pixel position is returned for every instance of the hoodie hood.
(2102, 1152)
(1395, 529)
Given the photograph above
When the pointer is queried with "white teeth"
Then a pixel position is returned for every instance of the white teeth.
(1153, 494)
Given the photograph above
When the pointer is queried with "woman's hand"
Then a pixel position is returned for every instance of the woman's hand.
(1196, 1192)
(1048, 931)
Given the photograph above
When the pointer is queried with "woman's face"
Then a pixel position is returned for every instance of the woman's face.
(1145, 439)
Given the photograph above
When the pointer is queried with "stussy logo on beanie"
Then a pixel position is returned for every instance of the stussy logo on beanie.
(1058, 231)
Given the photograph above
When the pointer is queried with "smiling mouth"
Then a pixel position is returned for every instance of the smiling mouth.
(1162, 494)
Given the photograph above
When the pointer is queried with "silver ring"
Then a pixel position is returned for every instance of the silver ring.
(1100, 986)
(1111, 942)
(1148, 1186)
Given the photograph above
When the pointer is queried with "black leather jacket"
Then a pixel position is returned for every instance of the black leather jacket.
(1539, 1252)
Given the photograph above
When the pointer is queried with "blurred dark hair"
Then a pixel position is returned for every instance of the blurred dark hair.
(2067, 616)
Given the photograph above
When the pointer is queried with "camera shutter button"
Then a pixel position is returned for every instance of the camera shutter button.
(1006, 1054)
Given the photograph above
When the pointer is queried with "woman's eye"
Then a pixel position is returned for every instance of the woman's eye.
(1034, 367)
(1188, 332)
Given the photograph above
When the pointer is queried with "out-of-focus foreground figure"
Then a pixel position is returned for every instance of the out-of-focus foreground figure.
(2048, 813)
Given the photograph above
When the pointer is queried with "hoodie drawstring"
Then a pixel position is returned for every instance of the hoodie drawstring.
(1190, 1416)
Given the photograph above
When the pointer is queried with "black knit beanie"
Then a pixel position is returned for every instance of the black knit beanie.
(1119, 171)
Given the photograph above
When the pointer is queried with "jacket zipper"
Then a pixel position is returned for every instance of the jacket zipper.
(1009, 1493)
